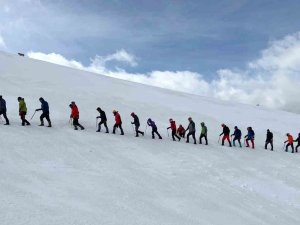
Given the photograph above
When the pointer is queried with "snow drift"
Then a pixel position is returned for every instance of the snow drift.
(61, 176)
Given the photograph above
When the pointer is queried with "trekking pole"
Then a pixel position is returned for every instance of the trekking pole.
(1, 119)
(132, 128)
(96, 122)
(33, 115)
(146, 128)
(219, 139)
(283, 146)
(70, 122)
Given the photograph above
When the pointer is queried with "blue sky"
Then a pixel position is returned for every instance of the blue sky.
(237, 50)
(196, 35)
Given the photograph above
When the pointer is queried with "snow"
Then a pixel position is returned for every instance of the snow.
(61, 176)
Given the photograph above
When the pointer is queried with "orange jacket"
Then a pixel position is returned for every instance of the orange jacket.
(290, 139)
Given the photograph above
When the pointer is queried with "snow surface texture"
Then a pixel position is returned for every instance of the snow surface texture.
(61, 176)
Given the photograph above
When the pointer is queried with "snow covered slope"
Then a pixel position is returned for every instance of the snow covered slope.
(61, 176)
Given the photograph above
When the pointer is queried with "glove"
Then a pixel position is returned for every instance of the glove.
(71, 116)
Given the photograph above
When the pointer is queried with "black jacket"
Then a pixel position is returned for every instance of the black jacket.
(102, 116)
(136, 120)
(226, 130)
(269, 136)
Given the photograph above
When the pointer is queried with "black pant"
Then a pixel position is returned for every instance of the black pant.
(45, 115)
(269, 142)
(203, 136)
(193, 135)
(292, 146)
(76, 123)
(237, 139)
(118, 126)
(154, 131)
(104, 122)
(297, 147)
(5, 117)
(175, 135)
(137, 130)
(182, 134)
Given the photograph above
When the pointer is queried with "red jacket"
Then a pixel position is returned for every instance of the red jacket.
(173, 125)
(180, 130)
(74, 112)
(118, 118)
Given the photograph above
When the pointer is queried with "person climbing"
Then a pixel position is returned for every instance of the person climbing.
(137, 124)
(45, 109)
(226, 134)
(102, 121)
(173, 128)
(118, 123)
(181, 131)
(297, 140)
(192, 130)
(269, 139)
(290, 141)
(152, 124)
(237, 136)
(3, 110)
(203, 133)
(23, 111)
(75, 116)
(250, 137)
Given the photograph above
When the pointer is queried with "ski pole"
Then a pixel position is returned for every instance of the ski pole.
(283, 146)
(132, 128)
(146, 128)
(33, 115)
(70, 122)
(96, 122)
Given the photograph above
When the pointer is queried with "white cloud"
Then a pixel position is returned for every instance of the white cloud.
(273, 80)
(2, 43)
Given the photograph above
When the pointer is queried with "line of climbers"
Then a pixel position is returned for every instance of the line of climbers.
(176, 133)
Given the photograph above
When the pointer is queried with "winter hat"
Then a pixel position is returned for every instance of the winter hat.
(202, 123)
(114, 111)
(98, 109)
(170, 119)
(222, 125)
(235, 127)
(132, 114)
(41, 99)
(0, 96)
(19, 98)
(268, 130)
(190, 118)
(149, 119)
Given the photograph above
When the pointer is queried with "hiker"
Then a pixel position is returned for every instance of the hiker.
(203, 133)
(297, 140)
(152, 124)
(3, 110)
(173, 128)
(136, 123)
(250, 137)
(23, 111)
(269, 139)
(75, 116)
(181, 131)
(118, 123)
(237, 136)
(192, 130)
(290, 141)
(102, 121)
(45, 109)
(225, 133)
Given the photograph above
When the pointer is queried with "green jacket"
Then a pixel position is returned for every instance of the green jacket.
(22, 106)
(204, 130)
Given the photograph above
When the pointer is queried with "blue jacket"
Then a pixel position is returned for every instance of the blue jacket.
(2, 105)
(250, 134)
(151, 124)
(45, 107)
